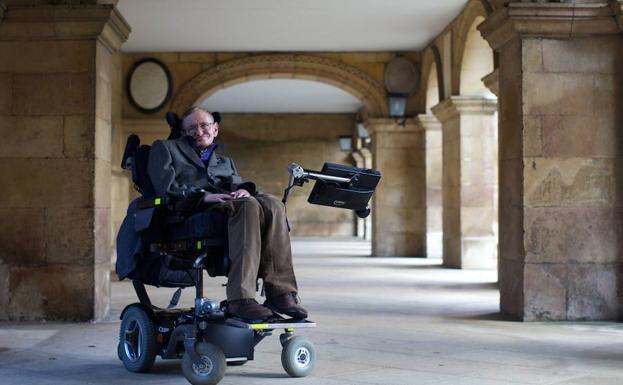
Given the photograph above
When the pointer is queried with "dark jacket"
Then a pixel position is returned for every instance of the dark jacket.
(176, 170)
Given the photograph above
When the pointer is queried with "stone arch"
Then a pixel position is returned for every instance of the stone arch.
(466, 35)
(477, 62)
(432, 84)
(307, 67)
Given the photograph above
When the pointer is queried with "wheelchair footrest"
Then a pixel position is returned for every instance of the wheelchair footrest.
(272, 324)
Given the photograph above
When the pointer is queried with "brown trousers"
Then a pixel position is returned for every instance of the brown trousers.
(259, 246)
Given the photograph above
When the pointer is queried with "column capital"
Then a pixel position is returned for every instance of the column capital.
(428, 122)
(550, 20)
(103, 22)
(375, 125)
(464, 105)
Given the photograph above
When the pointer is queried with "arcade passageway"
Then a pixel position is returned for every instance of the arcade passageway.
(493, 254)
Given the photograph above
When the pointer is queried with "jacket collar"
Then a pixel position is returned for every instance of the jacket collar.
(189, 151)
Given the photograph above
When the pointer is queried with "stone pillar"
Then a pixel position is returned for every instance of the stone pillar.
(432, 144)
(561, 160)
(399, 204)
(55, 113)
(469, 181)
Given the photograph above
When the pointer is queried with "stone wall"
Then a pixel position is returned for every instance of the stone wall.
(55, 117)
(185, 66)
(573, 150)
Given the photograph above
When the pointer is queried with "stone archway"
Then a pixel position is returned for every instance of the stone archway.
(432, 85)
(474, 13)
(476, 63)
(307, 67)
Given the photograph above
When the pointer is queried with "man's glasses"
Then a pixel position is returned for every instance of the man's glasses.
(205, 126)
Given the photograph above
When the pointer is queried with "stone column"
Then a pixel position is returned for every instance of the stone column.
(469, 181)
(561, 160)
(432, 144)
(399, 204)
(55, 114)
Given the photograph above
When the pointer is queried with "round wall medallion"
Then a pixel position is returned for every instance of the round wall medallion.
(401, 76)
(149, 85)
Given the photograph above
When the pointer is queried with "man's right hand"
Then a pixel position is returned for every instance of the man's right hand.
(216, 198)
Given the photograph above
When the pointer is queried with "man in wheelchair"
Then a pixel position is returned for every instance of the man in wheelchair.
(189, 170)
(195, 214)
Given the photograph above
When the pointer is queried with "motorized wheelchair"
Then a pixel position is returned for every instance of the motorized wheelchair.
(173, 249)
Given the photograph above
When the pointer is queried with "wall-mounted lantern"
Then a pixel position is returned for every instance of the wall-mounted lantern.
(397, 105)
(346, 143)
(401, 80)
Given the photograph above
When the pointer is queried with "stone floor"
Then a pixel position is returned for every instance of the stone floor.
(380, 321)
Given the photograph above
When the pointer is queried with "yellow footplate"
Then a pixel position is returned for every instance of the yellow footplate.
(271, 325)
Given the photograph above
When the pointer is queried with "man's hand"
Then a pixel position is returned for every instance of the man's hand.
(242, 193)
(216, 198)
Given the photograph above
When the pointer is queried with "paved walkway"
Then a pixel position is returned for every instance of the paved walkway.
(380, 321)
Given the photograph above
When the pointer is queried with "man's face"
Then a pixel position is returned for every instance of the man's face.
(201, 127)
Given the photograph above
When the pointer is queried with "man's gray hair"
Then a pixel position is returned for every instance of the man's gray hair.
(190, 111)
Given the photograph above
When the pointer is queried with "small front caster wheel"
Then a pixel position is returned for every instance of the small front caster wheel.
(210, 370)
(363, 213)
(298, 356)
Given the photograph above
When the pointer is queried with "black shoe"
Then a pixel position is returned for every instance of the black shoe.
(248, 309)
(287, 304)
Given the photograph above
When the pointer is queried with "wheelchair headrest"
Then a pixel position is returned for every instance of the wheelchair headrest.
(175, 123)
(130, 149)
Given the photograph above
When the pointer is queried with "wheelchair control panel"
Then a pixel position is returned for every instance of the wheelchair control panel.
(336, 185)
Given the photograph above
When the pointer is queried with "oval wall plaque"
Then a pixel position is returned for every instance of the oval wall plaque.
(149, 85)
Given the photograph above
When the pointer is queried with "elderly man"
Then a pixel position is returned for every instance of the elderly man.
(259, 243)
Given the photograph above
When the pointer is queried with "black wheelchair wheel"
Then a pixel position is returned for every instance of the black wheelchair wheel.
(210, 370)
(137, 340)
(298, 356)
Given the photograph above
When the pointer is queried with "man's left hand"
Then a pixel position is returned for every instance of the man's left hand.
(241, 193)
